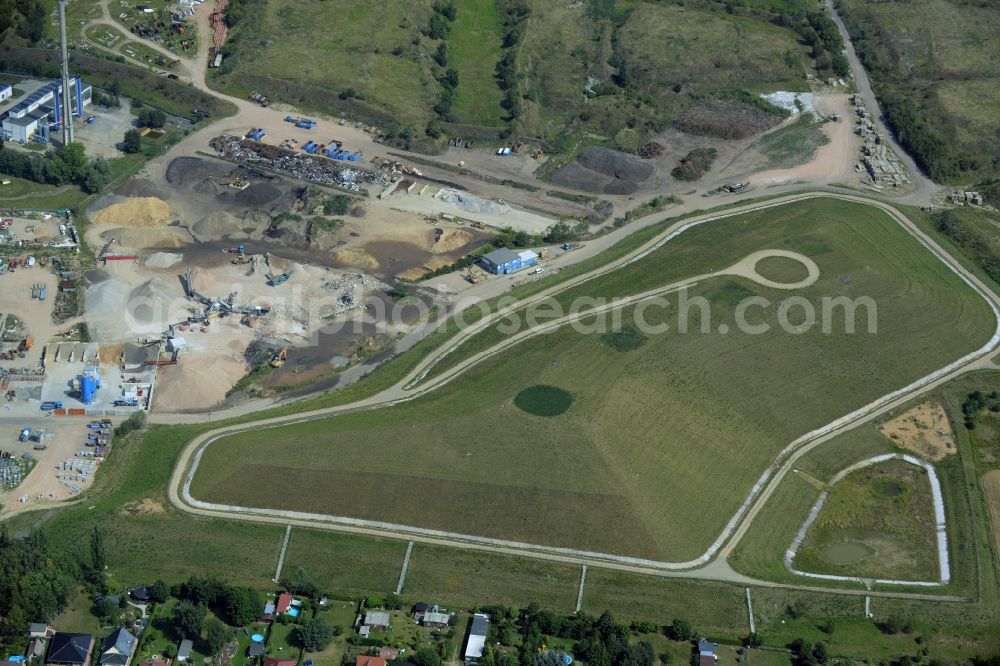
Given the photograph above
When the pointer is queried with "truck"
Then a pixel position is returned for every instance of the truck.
(25, 434)
(42, 291)
(127, 401)
(49, 405)
(95, 425)
(305, 123)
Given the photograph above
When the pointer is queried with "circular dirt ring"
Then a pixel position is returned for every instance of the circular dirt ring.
(544, 400)
(747, 267)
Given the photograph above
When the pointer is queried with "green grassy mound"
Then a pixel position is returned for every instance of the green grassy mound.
(627, 339)
(544, 400)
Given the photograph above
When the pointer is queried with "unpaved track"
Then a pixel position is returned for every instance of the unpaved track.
(703, 567)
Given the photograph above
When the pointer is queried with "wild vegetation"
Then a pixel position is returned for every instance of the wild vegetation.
(933, 69)
(877, 523)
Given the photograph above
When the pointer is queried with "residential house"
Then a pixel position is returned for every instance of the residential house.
(140, 594)
(435, 619)
(268, 615)
(365, 660)
(117, 648)
(70, 649)
(284, 603)
(706, 652)
(255, 650)
(40, 630)
(476, 641)
(377, 619)
(184, 650)
(419, 609)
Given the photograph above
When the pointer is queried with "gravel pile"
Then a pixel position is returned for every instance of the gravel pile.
(163, 259)
(472, 204)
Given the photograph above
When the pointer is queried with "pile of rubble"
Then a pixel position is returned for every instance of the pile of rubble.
(960, 198)
(313, 168)
(878, 162)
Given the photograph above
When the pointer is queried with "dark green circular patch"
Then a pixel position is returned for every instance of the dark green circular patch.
(544, 400)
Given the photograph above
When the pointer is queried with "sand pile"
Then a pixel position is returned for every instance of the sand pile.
(141, 238)
(163, 259)
(471, 203)
(218, 225)
(204, 281)
(199, 381)
(150, 305)
(356, 257)
(105, 304)
(449, 240)
(135, 212)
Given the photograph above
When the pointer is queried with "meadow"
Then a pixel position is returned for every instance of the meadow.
(622, 469)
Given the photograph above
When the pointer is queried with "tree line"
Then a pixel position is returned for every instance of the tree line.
(62, 166)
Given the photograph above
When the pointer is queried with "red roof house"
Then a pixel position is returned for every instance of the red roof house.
(284, 603)
(365, 660)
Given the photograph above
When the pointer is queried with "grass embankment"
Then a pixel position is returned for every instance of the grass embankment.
(609, 474)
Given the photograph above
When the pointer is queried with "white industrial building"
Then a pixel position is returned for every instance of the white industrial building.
(41, 112)
(6, 91)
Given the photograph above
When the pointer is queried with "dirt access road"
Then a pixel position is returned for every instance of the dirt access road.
(702, 567)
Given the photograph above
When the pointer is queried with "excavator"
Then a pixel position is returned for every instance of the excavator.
(278, 359)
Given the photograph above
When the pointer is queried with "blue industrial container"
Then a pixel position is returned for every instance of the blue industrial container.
(88, 388)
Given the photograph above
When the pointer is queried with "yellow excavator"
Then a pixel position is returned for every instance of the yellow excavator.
(278, 359)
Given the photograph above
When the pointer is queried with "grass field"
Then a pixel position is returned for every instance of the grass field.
(474, 48)
(792, 144)
(876, 523)
(607, 475)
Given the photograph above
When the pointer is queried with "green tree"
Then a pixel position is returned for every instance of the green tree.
(107, 610)
(159, 591)
(243, 605)
(133, 141)
(216, 637)
(680, 630)
(189, 618)
(427, 656)
(315, 635)
(151, 118)
(98, 554)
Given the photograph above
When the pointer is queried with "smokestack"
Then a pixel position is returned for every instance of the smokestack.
(67, 102)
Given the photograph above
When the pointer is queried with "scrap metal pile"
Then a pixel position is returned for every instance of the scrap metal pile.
(307, 167)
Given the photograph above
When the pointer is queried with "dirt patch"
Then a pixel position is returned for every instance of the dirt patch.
(924, 429)
(604, 171)
(135, 212)
(449, 240)
(146, 507)
(199, 381)
(111, 354)
(725, 119)
(991, 485)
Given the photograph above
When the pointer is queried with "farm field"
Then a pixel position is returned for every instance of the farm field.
(877, 522)
(605, 475)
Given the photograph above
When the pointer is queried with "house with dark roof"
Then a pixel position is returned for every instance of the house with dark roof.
(117, 648)
(140, 594)
(70, 649)
(255, 650)
(420, 608)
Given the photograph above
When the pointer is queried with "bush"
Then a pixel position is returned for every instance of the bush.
(132, 142)
(152, 118)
